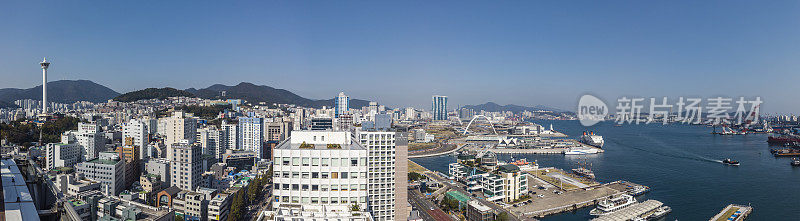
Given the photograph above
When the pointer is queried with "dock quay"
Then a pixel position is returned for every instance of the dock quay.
(638, 210)
(573, 200)
(733, 212)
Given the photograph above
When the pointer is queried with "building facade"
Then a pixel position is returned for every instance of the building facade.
(186, 167)
(316, 168)
(439, 107)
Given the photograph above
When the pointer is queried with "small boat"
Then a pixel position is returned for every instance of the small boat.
(728, 161)
(795, 162)
(612, 205)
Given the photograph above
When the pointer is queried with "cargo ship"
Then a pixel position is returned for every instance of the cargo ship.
(788, 152)
(782, 139)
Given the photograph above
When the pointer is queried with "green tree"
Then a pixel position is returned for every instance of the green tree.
(502, 216)
(414, 176)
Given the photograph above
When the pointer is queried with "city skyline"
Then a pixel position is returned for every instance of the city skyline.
(539, 53)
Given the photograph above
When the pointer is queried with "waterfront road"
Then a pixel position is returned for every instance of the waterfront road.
(425, 205)
(441, 149)
(499, 209)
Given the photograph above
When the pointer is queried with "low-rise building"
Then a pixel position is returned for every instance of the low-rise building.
(107, 169)
(479, 212)
(219, 207)
(62, 155)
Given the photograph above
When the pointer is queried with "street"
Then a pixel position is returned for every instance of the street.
(425, 205)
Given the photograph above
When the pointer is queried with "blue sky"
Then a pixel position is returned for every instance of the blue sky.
(401, 53)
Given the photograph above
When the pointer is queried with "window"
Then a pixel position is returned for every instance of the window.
(334, 200)
(334, 175)
(326, 162)
(315, 162)
(353, 187)
(305, 187)
(305, 175)
(286, 161)
(295, 187)
(324, 175)
(306, 161)
(285, 174)
(344, 162)
(324, 187)
(344, 175)
(295, 161)
(334, 187)
(314, 187)
(314, 175)
(354, 162)
(335, 162)
(323, 200)
(295, 174)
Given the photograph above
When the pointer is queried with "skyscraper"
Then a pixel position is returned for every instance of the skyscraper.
(250, 135)
(439, 108)
(135, 133)
(388, 161)
(342, 104)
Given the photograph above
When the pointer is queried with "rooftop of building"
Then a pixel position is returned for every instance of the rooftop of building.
(508, 168)
(104, 161)
(458, 196)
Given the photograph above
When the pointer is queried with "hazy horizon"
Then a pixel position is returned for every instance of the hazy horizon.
(401, 53)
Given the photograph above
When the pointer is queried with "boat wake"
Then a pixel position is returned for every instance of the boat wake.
(688, 156)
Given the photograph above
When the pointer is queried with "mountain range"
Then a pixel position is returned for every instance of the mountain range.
(70, 91)
(62, 91)
(494, 107)
(262, 93)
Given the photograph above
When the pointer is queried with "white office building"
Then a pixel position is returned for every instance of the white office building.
(107, 169)
(313, 169)
(62, 155)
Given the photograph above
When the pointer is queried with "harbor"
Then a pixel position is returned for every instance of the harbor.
(661, 158)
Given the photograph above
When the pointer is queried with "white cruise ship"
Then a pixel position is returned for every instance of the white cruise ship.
(591, 139)
(612, 205)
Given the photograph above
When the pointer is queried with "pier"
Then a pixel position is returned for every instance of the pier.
(572, 200)
(638, 210)
(733, 212)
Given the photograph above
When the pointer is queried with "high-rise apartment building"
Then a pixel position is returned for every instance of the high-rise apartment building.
(186, 166)
(180, 127)
(342, 104)
(250, 135)
(135, 133)
(439, 107)
(209, 139)
(388, 169)
(229, 138)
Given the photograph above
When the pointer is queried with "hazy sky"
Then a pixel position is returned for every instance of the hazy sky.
(401, 53)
